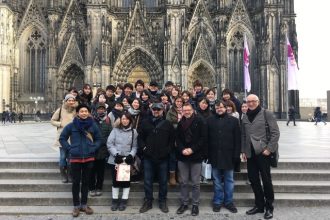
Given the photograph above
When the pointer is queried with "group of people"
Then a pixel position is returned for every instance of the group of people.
(10, 116)
(172, 132)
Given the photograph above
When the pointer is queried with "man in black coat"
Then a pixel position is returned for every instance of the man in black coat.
(191, 150)
(156, 138)
(224, 143)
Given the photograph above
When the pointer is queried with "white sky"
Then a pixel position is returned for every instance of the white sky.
(312, 23)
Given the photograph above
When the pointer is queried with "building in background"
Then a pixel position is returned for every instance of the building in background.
(49, 45)
(308, 105)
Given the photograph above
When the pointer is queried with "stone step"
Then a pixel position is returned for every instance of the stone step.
(240, 186)
(135, 199)
(52, 163)
(277, 174)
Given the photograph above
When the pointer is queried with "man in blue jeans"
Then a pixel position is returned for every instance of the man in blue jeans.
(156, 137)
(224, 138)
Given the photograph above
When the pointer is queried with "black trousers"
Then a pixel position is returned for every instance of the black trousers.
(97, 175)
(80, 173)
(259, 165)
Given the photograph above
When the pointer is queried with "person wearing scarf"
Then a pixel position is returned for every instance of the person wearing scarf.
(260, 136)
(224, 148)
(122, 145)
(62, 117)
(191, 151)
(203, 108)
(97, 175)
(85, 139)
(174, 115)
(116, 113)
(135, 111)
(211, 97)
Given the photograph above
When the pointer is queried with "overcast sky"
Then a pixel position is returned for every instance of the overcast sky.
(314, 47)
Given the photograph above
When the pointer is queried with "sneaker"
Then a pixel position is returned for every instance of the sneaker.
(98, 192)
(216, 207)
(92, 193)
(88, 210)
(163, 206)
(231, 207)
(75, 212)
(147, 205)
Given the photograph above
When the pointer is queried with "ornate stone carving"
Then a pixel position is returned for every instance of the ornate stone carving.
(202, 52)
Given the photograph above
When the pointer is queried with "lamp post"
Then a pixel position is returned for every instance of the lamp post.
(36, 99)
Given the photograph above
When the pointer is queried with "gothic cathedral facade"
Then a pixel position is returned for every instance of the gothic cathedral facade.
(47, 46)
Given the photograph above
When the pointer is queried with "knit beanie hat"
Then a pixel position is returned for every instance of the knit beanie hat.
(69, 96)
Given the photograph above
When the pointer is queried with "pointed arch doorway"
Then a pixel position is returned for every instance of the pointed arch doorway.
(138, 73)
(203, 72)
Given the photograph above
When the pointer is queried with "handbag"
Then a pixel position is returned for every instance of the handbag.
(206, 170)
(274, 156)
(123, 172)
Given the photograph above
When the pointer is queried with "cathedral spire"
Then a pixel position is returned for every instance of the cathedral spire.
(200, 15)
(33, 15)
(240, 15)
(72, 52)
(201, 52)
(137, 33)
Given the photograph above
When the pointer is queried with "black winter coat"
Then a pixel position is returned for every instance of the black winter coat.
(195, 137)
(105, 128)
(155, 140)
(224, 137)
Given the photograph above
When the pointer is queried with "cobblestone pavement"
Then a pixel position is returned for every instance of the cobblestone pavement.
(319, 213)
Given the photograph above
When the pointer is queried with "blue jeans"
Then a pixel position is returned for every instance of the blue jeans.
(64, 157)
(150, 167)
(223, 186)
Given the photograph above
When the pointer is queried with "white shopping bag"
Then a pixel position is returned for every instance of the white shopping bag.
(206, 170)
(123, 172)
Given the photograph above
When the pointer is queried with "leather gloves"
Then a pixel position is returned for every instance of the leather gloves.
(129, 159)
(118, 159)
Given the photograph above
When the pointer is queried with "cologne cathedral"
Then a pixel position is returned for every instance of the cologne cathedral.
(47, 46)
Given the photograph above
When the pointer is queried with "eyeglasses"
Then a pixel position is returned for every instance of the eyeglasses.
(250, 101)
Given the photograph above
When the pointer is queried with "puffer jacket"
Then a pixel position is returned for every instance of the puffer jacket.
(81, 147)
(120, 142)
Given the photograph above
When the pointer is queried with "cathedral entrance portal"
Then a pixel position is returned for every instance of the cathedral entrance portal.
(203, 73)
(73, 76)
(138, 73)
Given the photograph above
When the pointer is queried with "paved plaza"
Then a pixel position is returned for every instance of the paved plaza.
(36, 140)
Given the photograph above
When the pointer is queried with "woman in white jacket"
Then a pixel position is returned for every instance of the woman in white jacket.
(122, 145)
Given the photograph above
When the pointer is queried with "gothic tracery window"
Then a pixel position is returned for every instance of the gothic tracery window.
(36, 62)
(235, 62)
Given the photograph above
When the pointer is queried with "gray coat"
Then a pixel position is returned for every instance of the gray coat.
(255, 133)
(120, 142)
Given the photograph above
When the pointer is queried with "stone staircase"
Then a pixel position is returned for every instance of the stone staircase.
(34, 187)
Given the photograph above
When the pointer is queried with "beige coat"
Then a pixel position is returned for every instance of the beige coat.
(67, 115)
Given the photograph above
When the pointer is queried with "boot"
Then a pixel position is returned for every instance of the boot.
(122, 205)
(64, 175)
(147, 204)
(114, 205)
(172, 178)
(69, 174)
